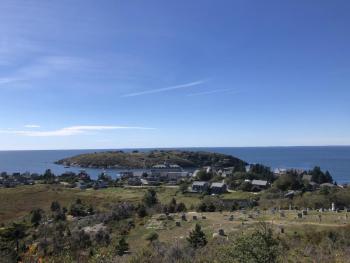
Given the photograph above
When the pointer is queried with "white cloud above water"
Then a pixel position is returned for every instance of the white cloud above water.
(71, 131)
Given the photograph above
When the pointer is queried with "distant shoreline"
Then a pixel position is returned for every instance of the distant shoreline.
(336, 159)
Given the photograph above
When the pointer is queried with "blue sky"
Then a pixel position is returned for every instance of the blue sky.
(155, 73)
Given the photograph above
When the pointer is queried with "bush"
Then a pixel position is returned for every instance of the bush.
(257, 247)
(153, 236)
(122, 247)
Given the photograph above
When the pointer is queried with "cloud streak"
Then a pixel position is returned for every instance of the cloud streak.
(182, 86)
(212, 92)
(45, 67)
(73, 130)
(31, 126)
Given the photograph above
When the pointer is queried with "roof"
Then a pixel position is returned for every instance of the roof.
(160, 166)
(259, 182)
(328, 185)
(200, 183)
(219, 185)
(166, 166)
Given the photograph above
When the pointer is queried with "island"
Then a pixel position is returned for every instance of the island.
(148, 159)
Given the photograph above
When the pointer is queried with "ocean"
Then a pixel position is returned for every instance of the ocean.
(335, 159)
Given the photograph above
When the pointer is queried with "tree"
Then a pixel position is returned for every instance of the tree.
(15, 233)
(319, 177)
(48, 176)
(122, 247)
(141, 211)
(257, 247)
(150, 198)
(36, 216)
(55, 206)
(183, 187)
(202, 175)
(246, 186)
(288, 182)
(197, 238)
(172, 206)
(181, 207)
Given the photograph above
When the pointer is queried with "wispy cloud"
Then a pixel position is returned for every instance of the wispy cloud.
(73, 130)
(213, 91)
(31, 126)
(182, 86)
(44, 67)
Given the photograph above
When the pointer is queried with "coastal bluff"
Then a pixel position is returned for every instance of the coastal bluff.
(147, 159)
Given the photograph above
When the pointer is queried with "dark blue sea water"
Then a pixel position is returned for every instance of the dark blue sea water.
(336, 159)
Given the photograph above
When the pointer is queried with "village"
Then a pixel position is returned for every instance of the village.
(205, 180)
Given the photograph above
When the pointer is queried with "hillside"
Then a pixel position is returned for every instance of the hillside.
(136, 159)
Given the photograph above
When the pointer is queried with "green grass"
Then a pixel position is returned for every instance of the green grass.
(18, 202)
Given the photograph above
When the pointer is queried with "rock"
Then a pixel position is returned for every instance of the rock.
(221, 232)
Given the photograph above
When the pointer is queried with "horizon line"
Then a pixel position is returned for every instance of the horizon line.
(174, 147)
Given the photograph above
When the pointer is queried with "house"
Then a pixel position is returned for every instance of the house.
(227, 171)
(218, 188)
(83, 176)
(195, 173)
(280, 171)
(173, 176)
(135, 181)
(126, 175)
(200, 186)
(81, 185)
(259, 185)
(100, 184)
(289, 194)
(151, 180)
(327, 185)
(166, 168)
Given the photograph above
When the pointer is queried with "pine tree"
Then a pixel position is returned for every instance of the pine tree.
(197, 237)
(122, 247)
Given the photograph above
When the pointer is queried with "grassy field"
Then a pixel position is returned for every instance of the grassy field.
(212, 222)
(18, 202)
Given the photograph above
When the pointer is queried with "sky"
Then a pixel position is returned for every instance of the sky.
(185, 73)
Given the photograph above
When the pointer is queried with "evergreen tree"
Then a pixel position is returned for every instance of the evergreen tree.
(150, 198)
(197, 238)
(55, 206)
(141, 211)
(36, 216)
